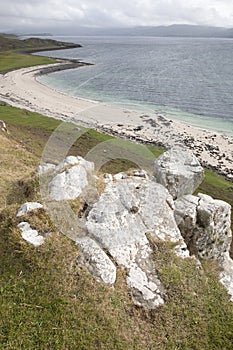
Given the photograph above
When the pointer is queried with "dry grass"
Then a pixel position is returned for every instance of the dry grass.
(16, 164)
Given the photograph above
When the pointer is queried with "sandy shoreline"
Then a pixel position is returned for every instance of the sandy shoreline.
(21, 89)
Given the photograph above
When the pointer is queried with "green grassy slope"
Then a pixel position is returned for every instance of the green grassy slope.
(14, 53)
(49, 302)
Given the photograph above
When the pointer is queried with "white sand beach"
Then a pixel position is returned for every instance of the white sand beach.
(20, 88)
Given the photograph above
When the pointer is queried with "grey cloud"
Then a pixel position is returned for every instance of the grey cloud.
(64, 13)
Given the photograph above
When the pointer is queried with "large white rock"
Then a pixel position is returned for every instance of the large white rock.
(205, 224)
(131, 207)
(179, 171)
(127, 210)
(69, 184)
(96, 260)
(71, 178)
(28, 207)
(29, 235)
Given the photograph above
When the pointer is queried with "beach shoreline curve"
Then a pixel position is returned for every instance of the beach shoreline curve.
(20, 88)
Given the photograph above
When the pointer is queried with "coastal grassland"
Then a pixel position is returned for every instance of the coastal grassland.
(33, 130)
(49, 302)
(13, 60)
(16, 53)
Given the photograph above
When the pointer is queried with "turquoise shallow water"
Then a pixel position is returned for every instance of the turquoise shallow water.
(186, 79)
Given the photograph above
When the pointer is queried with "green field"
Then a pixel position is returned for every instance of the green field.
(15, 53)
(11, 61)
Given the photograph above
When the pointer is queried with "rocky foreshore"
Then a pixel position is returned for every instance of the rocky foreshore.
(209, 147)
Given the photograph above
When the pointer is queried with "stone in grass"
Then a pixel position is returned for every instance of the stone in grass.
(126, 211)
(205, 224)
(29, 235)
(28, 207)
(71, 178)
(96, 260)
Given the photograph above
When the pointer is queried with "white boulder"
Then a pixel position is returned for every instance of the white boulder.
(126, 211)
(71, 177)
(29, 235)
(69, 184)
(96, 260)
(205, 224)
(179, 171)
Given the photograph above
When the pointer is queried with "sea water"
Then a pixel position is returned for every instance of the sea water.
(187, 79)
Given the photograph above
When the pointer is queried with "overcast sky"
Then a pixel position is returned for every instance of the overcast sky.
(49, 14)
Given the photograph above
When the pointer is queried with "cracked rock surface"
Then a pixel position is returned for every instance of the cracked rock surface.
(205, 225)
(179, 171)
(117, 223)
(128, 209)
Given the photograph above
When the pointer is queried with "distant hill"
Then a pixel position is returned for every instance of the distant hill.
(31, 44)
(176, 30)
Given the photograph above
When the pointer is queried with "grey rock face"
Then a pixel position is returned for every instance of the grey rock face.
(27, 207)
(126, 211)
(29, 235)
(96, 260)
(179, 171)
(130, 208)
(71, 179)
(205, 225)
(213, 227)
(116, 223)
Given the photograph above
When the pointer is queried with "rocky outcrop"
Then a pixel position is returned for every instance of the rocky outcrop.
(179, 171)
(128, 209)
(70, 179)
(205, 226)
(116, 224)
(96, 260)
